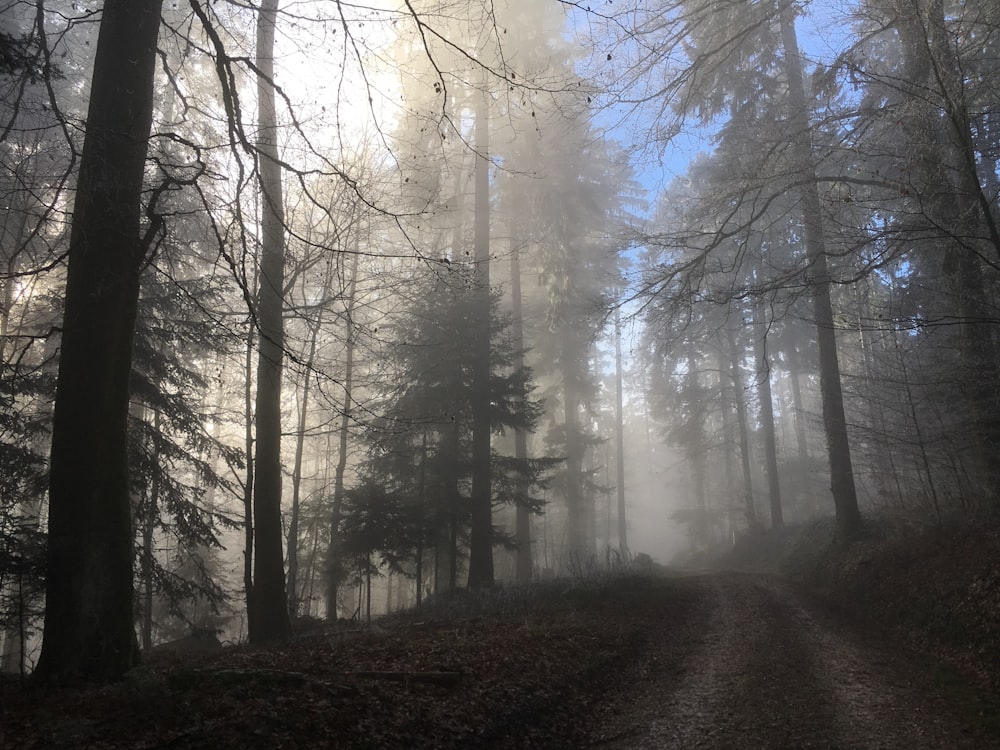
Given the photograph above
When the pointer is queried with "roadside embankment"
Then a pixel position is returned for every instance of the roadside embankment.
(935, 589)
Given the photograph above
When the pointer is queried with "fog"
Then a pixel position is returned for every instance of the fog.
(441, 295)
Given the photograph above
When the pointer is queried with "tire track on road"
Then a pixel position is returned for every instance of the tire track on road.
(752, 665)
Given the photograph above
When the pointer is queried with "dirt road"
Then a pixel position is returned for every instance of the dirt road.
(751, 664)
(706, 661)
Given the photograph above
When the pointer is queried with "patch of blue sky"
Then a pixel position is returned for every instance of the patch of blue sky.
(663, 150)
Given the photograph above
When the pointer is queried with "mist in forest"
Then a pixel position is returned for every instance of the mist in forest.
(321, 310)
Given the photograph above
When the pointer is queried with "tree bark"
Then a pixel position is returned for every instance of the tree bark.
(152, 512)
(620, 437)
(845, 498)
(522, 519)
(767, 414)
(300, 439)
(421, 515)
(696, 451)
(577, 544)
(268, 615)
(948, 164)
(794, 358)
(248, 446)
(481, 529)
(739, 396)
(88, 632)
(727, 409)
(333, 566)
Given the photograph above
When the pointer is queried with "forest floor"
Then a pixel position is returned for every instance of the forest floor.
(888, 643)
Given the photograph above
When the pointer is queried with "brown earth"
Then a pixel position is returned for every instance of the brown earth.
(714, 660)
(761, 665)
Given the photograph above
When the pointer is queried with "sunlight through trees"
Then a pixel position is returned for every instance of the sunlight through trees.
(315, 310)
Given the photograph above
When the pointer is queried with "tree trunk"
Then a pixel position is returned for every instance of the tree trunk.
(421, 513)
(880, 447)
(767, 413)
(727, 412)
(696, 452)
(333, 566)
(845, 498)
(88, 632)
(454, 502)
(152, 511)
(300, 439)
(966, 211)
(522, 522)
(739, 394)
(481, 530)
(575, 514)
(248, 447)
(268, 616)
(794, 358)
(620, 438)
(590, 504)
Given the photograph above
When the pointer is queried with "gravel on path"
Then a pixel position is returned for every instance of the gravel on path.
(753, 664)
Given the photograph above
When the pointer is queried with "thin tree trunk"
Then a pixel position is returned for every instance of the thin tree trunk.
(522, 522)
(454, 501)
(590, 503)
(767, 413)
(309, 585)
(421, 510)
(609, 501)
(368, 591)
(620, 438)
(794, 358)
(575, 516)
(696, 452)
(148, 527)
(739, 395)
(300, 439)
(268, 617)
(481, 529)
(884, 466)
(248, 447)
(333, 549)
(727, 408)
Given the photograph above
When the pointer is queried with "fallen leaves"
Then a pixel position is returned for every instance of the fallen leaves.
(507, 679)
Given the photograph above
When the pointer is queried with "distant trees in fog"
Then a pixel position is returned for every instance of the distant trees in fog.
(888, 151)
(326, 293)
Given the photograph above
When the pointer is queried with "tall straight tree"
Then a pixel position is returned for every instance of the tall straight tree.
(481, 530)
(89, 632)
(266, 602)
(522, 529)
(845, 497)
(740, 407)
(764, 399)
(620, 437)
(960, 217)
(347, 383)
(743, 57)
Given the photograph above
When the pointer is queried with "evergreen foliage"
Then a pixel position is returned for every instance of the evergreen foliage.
(421, 448)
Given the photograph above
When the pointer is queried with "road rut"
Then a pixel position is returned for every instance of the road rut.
(753, 664)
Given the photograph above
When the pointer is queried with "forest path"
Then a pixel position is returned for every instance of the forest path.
(753, 664)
